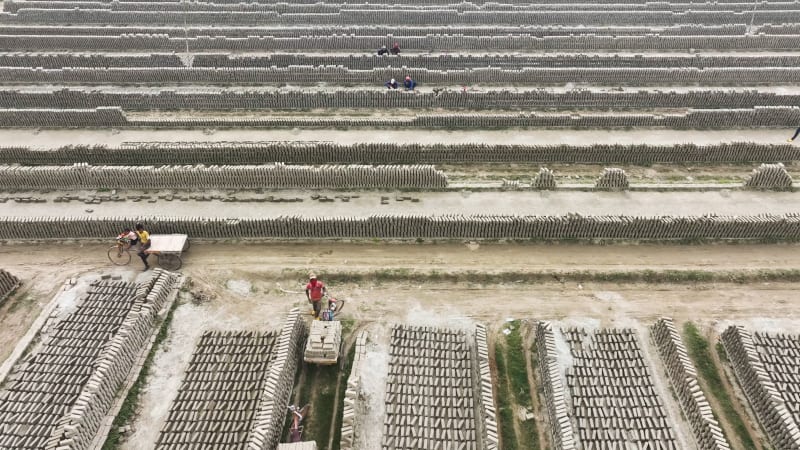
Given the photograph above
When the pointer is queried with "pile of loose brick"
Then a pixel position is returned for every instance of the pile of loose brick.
(683, 378)
(8, 284)
(612, 179)
(770, 176)
(430, 395)
(217, 400)
(570, 226)
(353, 406)
(556, 397)
(614, 401)
(766, 368)
(278, 175)
(59, 395)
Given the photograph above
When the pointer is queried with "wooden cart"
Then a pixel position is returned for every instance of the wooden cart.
(169, 249)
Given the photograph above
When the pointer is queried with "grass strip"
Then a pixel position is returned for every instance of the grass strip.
(518, 376)
(700, 352)
(630, 276)
(505, 407)
(128, 409)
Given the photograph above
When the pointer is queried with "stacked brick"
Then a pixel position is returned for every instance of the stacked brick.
(8, 284)
(61, 60)
(614, 401)
(488, 411)
(309, 445)
(83, 176)
(353, 406)
(612, 179)
(430, 399)
(683, 378)
(759, 116)
(544, 180)
(274, 397)
(572, 226)
(323, 343)
(232, 153)
(780, 354)
(770, 407)
(220, 393)
(58, 396)
(770, 176)
(556, 396)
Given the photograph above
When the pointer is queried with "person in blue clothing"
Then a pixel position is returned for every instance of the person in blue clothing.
(796, 133)
(409, 83)
(391, 84)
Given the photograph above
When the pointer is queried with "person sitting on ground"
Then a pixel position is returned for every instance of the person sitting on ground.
(128, 237)
(144, 239)
(391, 84)
(395, 49)
(383, 50)
(409, 83)
(315, 290)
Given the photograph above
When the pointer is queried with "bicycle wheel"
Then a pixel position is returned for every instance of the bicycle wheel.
(169, 261)
(119, 257)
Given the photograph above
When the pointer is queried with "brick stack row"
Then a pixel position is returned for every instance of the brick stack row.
(683, 378)
(571, 226)
(220, 393)
(83, 176)
(222, 99)
(77, 428)
(274, 398)
(61, 60)
(555, 394)
(430, 395)
(614, 401)
(762, 393)
(353, 406)
(612, 179)
(780, 354)
(770, 176)
(8, 284)
(760, 116)
(488, 409)
(426, 42)
(233, 153)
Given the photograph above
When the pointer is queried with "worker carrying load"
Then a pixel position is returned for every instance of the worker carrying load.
(315, 290)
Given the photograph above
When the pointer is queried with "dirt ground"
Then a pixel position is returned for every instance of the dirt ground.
(253, 286)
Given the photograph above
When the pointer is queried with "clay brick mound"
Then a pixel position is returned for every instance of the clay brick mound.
(8, 284)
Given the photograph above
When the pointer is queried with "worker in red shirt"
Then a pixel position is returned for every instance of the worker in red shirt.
(315, 290)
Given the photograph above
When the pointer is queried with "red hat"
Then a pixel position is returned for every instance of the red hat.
(408, 77)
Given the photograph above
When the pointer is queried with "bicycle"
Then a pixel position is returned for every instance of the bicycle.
(120, 253)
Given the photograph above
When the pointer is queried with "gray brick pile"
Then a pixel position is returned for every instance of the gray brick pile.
(612, 179)
(544, 180)
(770, 176)
(324, 341)
(278, 175)
(430, 399)
(760, 116)
(556, 397)
(61, 60)
(59, 394)
(8, 284)
(218, 399)
(233, 153)
(353, 408)
(780, 354)
(488, 409)
(274, 397)
(614, 401)
(771, 409)
(683, 377)
(571, 226)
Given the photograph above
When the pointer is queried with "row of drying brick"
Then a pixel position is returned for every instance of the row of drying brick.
(441, 16)
(572, 226)
(780, 354)
(693, 119)
(683, 377)
(353, 407)
(217, 401)
(555, 395)
(427, 42)
(278, 175)
(765, 398)
(224, 153)
(221, 100)
(8, 284)
(488, 410)
(445, 415)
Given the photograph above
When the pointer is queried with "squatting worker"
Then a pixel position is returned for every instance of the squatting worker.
(144, 240)
(315, 290)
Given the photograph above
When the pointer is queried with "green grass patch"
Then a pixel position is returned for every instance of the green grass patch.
(631, 276)
(516, 392)
(504, 405)
(700, 352)
(128, 409)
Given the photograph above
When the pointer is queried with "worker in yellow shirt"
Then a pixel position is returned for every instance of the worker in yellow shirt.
(144, 244)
